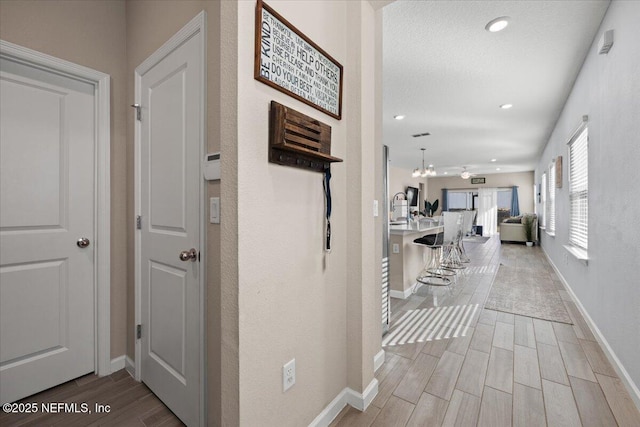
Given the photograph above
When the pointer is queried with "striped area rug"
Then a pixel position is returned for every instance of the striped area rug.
(478, 269)
(430, 324)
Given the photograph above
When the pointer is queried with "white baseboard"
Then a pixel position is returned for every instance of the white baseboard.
(378, 360)
(118, 363)
(362, 401)
(344, 398)
(407, 292)
(624, 376)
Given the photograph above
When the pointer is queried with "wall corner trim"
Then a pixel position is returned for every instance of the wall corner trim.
(123, 362)
(347, 396)
(624, 376)
(130, 366)
(378, 360)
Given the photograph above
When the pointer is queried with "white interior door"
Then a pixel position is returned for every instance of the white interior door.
(47, 137)
(171, 93)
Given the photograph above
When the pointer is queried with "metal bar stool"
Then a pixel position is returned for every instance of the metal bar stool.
(467, 225)
(452, 236)
(433, 274)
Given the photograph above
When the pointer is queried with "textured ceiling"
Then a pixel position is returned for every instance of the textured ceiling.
(448, 76)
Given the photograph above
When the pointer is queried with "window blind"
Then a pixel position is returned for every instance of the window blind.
(543, 195)
(551, 198)
(579, 189)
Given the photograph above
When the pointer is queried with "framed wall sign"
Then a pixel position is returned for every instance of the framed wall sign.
(290, 62)
(478, 180)
(559, 172)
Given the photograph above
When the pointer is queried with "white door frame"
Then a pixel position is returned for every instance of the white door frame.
(196, 25)
(102, 183)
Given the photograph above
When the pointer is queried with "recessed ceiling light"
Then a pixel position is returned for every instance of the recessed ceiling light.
(446, 173)
(398, 117)
(497, 169)
(497, 24)
(506, 106)
(494, 160)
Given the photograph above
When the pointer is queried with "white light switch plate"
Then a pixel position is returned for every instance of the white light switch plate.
(214, 210)
(375, 208)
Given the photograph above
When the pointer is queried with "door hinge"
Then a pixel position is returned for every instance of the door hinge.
(139, 222)
(138, 331)
(138, 108)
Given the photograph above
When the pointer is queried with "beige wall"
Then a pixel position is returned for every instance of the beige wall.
(291, 294)
(524, 181)
(364, 233)
(229, 269)
(294, 300)
(90, 34)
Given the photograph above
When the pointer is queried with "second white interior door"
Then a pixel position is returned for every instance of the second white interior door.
(170, 184)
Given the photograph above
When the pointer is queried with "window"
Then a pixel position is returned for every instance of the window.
(551, 198)
(578, 189)
(459, 200)
(543, 201)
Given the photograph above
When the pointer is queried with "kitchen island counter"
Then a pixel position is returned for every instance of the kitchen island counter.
(407, 259)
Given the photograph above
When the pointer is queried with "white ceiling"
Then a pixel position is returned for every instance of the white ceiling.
(448, 76)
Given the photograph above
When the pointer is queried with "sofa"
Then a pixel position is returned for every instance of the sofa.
(512, 230)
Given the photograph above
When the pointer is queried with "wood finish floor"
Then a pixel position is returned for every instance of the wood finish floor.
(508, 370)
(131, 404)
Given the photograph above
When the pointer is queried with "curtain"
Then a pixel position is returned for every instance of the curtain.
(488, 210)
(515, 206)
(445, 200)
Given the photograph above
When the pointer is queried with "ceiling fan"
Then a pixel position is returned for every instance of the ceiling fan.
(465, 174)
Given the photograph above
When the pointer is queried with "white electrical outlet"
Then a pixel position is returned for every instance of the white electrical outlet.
(288, 374)
(396, 248)
(375, 208)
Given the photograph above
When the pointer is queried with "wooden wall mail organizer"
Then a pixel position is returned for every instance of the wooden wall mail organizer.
(298, 140)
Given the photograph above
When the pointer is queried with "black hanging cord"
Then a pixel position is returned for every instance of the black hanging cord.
(327, 195)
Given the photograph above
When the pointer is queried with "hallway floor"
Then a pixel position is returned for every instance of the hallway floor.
(495, 369)
(131, 404)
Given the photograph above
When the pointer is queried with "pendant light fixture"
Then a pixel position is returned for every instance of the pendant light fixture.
(424, 172)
